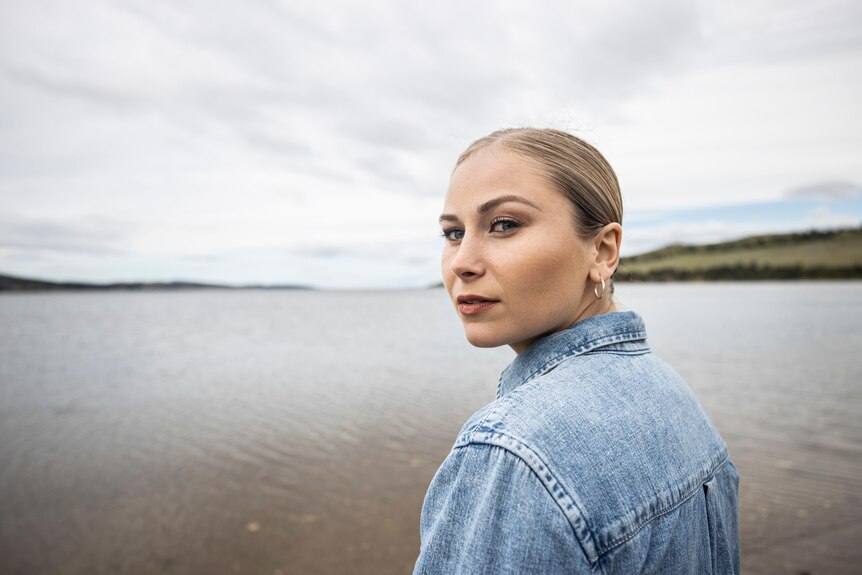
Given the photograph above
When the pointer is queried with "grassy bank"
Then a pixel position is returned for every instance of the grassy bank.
(810, 255)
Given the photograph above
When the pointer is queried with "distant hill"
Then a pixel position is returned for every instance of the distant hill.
(809, 255)
(17, 284)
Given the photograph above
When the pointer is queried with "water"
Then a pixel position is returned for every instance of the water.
(296, 432)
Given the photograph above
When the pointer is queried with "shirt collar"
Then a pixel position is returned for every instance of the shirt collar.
(607, 330)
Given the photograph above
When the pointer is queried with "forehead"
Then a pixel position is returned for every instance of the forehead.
(496, 171)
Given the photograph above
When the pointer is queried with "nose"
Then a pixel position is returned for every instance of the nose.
(467, 263)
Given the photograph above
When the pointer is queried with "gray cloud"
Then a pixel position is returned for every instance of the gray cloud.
(55, 83)
(784, 32)
(321, 251)
(826, 191)
(377, 78)
(92, 236)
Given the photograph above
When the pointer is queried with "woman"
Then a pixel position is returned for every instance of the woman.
(595, 457)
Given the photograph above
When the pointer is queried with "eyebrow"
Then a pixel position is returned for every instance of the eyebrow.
(490, 205)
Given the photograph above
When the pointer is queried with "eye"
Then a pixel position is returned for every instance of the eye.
(453, 234)
(505, 225)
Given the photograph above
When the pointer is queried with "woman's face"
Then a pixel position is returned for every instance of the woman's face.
(512, 263)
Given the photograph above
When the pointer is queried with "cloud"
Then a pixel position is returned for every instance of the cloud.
(64, 86)
(827, 191)
(274, 76)
(91, 236)
(823, 218)
(781, 32)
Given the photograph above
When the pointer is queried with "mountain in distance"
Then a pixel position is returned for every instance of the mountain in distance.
(18, 284)
(835, 254)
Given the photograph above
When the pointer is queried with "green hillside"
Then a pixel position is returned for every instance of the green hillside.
(810, 255)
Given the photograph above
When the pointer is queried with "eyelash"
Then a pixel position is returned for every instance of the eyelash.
(446, 232)
(512, 221)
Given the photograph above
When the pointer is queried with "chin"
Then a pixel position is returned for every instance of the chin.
(481, 336)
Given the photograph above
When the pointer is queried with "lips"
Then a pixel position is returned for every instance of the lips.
(472, 304)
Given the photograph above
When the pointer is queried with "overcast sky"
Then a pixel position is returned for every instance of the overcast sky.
(311, 143)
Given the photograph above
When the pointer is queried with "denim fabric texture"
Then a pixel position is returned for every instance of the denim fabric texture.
(594, 458)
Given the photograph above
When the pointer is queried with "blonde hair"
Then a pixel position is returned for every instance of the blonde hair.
(572, 166)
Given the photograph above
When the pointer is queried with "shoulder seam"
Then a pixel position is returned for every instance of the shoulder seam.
(565, 501)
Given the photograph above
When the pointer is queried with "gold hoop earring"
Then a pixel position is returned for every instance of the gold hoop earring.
(599, 294)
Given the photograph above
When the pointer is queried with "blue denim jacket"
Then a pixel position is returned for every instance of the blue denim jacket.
(594, 458)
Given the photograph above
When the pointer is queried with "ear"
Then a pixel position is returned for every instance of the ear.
(606, 252)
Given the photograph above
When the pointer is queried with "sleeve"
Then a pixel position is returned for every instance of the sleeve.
(487, 512)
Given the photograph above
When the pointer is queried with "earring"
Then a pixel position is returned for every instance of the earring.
(599, 294)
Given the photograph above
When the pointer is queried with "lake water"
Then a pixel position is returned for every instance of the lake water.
(284, 432)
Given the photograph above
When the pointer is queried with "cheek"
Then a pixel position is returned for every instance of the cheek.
(541, 279)
(446, 271)
(534, 266)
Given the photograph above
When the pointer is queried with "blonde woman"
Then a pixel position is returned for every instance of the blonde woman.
(595, 456)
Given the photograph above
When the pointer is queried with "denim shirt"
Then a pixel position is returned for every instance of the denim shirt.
(594, 458)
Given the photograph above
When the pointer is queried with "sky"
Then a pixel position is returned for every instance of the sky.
(267, 142)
